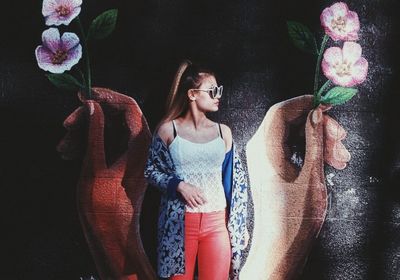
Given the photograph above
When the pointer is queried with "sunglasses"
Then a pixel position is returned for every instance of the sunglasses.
(215, 92)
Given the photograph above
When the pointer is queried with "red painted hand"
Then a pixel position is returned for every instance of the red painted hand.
(110, 197)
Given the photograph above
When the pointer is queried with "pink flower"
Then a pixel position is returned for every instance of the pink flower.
(58, 12)
(340, 23)
(57, 55)
(345, 67)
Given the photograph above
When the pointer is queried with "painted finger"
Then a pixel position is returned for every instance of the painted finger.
(95, 154)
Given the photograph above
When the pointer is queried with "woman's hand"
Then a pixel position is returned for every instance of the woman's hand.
(192, 195)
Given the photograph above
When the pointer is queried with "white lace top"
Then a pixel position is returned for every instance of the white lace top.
(200, 164)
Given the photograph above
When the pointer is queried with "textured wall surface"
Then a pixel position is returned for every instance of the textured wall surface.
(246, 43)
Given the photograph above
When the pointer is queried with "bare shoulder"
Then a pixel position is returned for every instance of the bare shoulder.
(226, 130)
(227, 135)
(166, 132)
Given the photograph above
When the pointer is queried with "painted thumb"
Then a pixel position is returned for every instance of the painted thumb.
(314, 156)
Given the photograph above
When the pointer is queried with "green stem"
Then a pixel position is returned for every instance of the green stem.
(317, 68)
(82, 77)
(86, 52)
(321, 90)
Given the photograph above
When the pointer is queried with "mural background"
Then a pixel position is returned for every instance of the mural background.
(246, 42)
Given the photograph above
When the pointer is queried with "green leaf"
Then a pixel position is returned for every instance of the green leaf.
(338, 95)
(103, 25)
(65, 81)
(302, 37)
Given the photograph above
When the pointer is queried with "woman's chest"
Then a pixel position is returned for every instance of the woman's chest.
(197, 156)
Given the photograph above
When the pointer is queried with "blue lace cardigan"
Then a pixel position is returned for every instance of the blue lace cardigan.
(160, 172)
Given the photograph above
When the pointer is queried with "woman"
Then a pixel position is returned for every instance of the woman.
(192, 160)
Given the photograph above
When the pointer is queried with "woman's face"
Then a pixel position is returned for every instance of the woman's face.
(202, 97)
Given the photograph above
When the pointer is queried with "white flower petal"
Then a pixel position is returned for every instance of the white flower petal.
(71, 3)
(328, 70)
(333, 55)
(53, 19)
(49, 7)
(58, 68)
(359, 70)
(340, 9)
(326, 17)
(76, 3)
(344, 81)
(74, 55)
(335, 36)
(43, 57)
(74, 13)
(352, 22)
(352, 36)
(51, 39)
(69, 40)
(351, 52)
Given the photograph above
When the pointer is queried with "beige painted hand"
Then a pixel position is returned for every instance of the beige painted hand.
(289, 204)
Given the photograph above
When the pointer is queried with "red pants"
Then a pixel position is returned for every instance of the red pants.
(206, 235)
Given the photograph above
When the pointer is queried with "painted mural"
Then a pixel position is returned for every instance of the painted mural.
(307, 94)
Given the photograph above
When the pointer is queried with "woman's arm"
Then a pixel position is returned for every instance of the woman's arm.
(159, 167)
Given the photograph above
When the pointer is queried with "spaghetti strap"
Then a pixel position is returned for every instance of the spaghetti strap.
(220, 131)
(173, 125)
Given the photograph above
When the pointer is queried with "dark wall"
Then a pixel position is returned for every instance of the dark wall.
(246, 43)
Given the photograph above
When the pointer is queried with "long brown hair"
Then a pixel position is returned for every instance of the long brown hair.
(188, 76)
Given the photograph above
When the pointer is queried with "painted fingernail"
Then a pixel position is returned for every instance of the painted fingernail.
(91, 107)
(316, 117)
